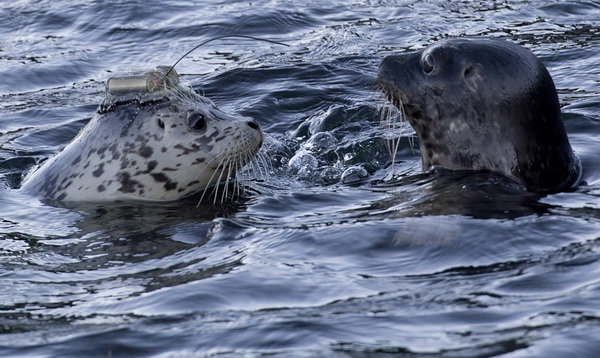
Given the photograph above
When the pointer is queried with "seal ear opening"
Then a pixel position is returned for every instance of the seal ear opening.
(473, 74)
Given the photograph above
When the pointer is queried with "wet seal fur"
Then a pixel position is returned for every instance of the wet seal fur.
(483, 104)
(160, 150)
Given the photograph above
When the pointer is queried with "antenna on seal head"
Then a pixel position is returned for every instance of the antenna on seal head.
(154, 84)
(223, 37)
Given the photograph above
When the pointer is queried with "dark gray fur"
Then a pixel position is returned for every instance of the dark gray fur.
(484, 104)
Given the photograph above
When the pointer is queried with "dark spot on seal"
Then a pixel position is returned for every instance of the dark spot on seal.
(145, 151)
(192, 183)
(64, 186)
(101, 151)
(76, 160)
(186, 150)
(98, 172)
(221, 138)
(101, 188)
(151, 165)
(162, 178)
(170, 186)
(207, 139)
(128, 185)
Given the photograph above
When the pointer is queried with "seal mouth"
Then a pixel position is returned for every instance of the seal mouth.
(409, 111)
(395, 97)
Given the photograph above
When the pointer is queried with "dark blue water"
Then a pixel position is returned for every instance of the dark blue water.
(436, 264)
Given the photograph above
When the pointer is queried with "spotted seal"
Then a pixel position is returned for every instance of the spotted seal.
(483, 104)
(160, 148)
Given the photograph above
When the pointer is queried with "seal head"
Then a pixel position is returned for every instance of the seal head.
(483, 104)
(161, 150)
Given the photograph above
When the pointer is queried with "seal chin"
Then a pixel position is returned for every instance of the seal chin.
(483, 104)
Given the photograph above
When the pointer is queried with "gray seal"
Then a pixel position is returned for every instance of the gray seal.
(161, 150)
(483, 104)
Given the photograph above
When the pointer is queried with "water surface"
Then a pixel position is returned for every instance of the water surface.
(434, 264)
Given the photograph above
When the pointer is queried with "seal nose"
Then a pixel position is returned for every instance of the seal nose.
(253, 124)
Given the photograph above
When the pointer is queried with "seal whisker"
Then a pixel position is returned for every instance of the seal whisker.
(243, 157)
(238, 164)
(242, 185)
(255, 168)
(222, 166)
(238, 184)
(210, 179)
(400, 108)
(264, 159)
(225, 184)
(203, 194)
(391, 119)
(231, 163)
(230, 171)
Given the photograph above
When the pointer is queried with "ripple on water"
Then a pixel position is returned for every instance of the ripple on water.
(458, 264)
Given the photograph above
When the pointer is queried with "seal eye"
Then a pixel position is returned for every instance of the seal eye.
(428, 63)
(196, 121)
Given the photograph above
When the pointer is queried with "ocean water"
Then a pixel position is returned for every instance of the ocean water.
(310, 263)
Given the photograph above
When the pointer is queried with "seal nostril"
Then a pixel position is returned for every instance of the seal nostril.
(468, 71)
(253, 125)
